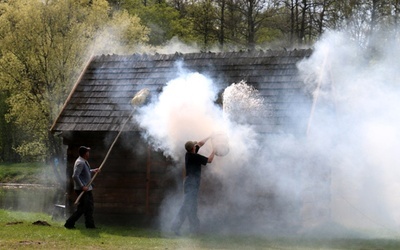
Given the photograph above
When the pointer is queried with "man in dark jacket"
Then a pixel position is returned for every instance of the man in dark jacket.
(193, 163)
(81, 177)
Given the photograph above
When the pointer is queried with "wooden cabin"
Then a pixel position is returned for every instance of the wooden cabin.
(134, 183)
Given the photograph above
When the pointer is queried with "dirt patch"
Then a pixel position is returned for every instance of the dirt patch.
(13, 223)
(30, 242)
(41, 223)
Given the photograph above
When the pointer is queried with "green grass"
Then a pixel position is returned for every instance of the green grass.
(32, 173)
(17, 231)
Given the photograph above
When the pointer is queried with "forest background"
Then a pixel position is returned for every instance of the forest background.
(45, 44)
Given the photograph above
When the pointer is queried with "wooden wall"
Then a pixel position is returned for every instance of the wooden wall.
(133, 181)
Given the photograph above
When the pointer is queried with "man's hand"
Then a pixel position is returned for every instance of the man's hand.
(96, 170)
(85, 188)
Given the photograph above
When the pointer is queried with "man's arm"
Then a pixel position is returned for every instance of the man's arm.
(202, 142)
(211, 157)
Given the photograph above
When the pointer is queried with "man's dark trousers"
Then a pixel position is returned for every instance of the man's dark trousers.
(85, 207)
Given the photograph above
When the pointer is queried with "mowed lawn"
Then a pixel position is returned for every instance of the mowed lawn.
(22, 230)
(28, 173)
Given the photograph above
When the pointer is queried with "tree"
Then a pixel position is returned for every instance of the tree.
(43, 47)
(162, 19)
(204, 17)
(231, 25)
(123, 34)
(7, 133)
(254, 13)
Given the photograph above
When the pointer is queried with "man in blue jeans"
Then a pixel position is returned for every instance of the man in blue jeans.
(81, 177)
(193, 163)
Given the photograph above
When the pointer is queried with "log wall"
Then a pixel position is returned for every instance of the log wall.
(133, 180)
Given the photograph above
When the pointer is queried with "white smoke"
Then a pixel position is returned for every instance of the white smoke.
(243, 103)
(342, 171)
(184, 111)
(175, 45)
(355, 124)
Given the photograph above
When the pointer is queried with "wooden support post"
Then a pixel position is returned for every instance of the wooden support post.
(148, 169)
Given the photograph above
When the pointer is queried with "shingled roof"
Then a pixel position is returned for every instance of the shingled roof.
(100, 100)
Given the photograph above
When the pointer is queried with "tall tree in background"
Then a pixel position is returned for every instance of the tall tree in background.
(308, 19)
(41, 45)
(44, 44)
(7, 133)
(43, 48)
(205, 22)
(163, 20)
(300, 20)
(368, 19)
(233, 26)
(221, 10)
(254, 13)
(246, 24)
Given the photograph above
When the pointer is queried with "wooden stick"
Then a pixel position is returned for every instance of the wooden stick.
(319, 83)
(105, 158)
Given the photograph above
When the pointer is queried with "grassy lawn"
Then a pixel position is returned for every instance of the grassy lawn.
(18, 231)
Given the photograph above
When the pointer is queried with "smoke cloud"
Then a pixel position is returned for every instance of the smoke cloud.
(342, 173)
(355, 125)
(184, 111)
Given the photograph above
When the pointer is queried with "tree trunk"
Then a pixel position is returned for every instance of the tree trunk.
(250, 25)
(302, 30)
(221, 34)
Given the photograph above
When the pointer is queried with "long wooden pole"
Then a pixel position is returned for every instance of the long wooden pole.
(106, 157)
(139, 99)
(316, 94)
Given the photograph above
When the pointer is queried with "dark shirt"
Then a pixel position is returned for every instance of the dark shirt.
(193, 162)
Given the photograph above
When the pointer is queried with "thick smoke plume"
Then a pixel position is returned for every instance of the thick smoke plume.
(341, 173)
(354, 126)
(184, 111)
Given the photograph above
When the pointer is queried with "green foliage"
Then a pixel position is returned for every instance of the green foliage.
(41, 45)
(164, 22)
(44, 45)
(6, 132)
(123, 34)
(203, 15)
(268, 36)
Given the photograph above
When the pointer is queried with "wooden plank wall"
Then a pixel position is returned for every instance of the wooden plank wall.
(133, 180)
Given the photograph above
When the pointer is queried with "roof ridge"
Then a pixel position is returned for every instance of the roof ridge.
(209, 54)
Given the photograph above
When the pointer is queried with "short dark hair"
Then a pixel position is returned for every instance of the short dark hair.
(83, 150)
(189, 145)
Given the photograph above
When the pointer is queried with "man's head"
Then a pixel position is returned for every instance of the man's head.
(189, 145)
(83, 150)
